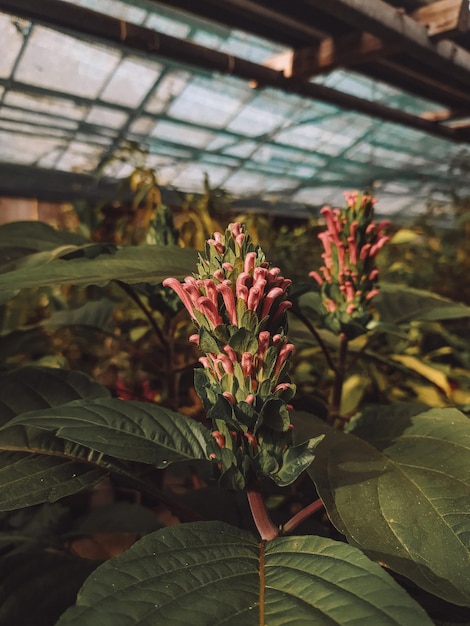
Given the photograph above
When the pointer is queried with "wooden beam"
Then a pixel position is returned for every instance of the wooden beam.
(443, 18)
(331, 53)
(393, 26)
(148, 44)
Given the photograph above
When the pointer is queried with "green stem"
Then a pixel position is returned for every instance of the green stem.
(318, 338)
(340, 372)
(264, 523)
(301, 516)
(145, 310)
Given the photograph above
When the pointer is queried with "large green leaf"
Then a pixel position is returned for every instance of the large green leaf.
(95, 313)
(405, 499)
(399, 304)
(31, 388)
(133, 264)
(36, 236)
(28, 479)
(211, 573)
(136, 431)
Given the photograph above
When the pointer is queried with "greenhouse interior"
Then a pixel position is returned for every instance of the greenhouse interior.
(234, 312)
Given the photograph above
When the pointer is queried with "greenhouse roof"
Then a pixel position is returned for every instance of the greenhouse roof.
(265, 116)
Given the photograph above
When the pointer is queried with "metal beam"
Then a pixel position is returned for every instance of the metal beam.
(147, 43)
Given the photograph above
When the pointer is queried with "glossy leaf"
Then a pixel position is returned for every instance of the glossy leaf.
(404, 499)
(31, 388)
(133, 264)
(211, 573)
(136, 431)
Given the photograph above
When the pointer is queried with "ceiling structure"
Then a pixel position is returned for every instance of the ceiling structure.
(282, 104)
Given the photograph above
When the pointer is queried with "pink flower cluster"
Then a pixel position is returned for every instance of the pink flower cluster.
(223, 295)
(349, 254)
(257, 287)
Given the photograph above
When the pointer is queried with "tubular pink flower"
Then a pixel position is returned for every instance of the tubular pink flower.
(205, 362)
(235, 229)
(349, 292)
(217, 245)
(180, 291)
(316, 276)
(282, 387)
(263, 343)
(252, 441)
(378, 245)
(326, 273)
(229, 301)
(284, 353)
(230, 352)
(247, 364)
(365, 251)
(373, 275)
(226, 363)
(229, 397)
(250, 259)
(254, 298)
(211, 291)
(372, 294)
(239, 239)
(220, 439)
(194, 338)
(352, 246)
(241, 287)
(227, 266)
(350, 308)
(280, 310)
(351, 198)
(219, 275)
(269, 299)
(326, 241)
(250, 398)
(330, 305)
(209, 310)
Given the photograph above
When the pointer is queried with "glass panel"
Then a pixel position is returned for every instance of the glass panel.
(57, 107)
(12, 33)
(60, 62)
(106, 117)
(25, 149)
(131, 81)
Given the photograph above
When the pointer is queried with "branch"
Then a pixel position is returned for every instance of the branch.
(301, 516)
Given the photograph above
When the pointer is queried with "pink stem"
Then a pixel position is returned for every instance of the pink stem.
(264, 524)
(301, 516)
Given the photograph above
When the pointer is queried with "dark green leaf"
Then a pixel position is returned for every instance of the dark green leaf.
(136, 431)
(36, 236)
(210, 573)
(399, 304)
(95, 313)
(406, 503)
(134, 264)
(28, 479)
(31, 388)
(36, 587)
